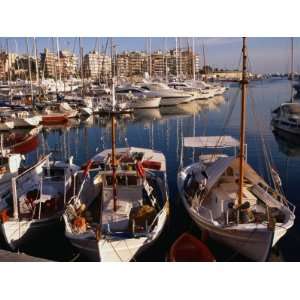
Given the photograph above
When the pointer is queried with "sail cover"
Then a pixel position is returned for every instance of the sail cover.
(225, 141)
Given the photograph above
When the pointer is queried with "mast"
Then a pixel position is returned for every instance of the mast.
(176, 56)
(81, 66)
(29, 70)
(204, 61)
(36, 62)
(111, 58)
(244, 83)
(292, 68)
(150, 59)
(113, 147)
(180, 58)
(194, 57)
(58, 58)
(166, 60)
(8, 71)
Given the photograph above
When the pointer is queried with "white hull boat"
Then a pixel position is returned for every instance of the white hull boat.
(214, 208)
(35, 201)
(287, 118)
(123, 237)
(147, 102)
(31, 121)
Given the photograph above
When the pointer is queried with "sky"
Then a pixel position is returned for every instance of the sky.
(265, 54)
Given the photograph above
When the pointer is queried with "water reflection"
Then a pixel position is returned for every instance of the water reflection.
(288, 143)
(163, 129)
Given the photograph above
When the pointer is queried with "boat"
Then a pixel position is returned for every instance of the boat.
(23, 119)
(139, 98)
(226, 197)
(22, 142)
(197, 92)
(131, 209)
(50, 117)
(69, 112)
(35, 201)
(286, 117)
(187, 248)
(168, 95)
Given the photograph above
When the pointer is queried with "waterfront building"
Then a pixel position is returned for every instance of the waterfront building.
(96, 65)
(62, 67)
(7, 62)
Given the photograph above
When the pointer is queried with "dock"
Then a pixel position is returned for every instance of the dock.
(8, 256)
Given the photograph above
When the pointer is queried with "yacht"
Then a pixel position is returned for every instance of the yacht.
(286, 117)
(139, 98)
(196, 91)
(168, 95)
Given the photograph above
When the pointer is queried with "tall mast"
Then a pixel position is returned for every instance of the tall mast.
(176, 56)
(8, 71)
(81, 66)
(150, 59)
(292, 68)
(113, 147)
(29, 70)
(244, 83)
(166, 60)
(111, 58)
(204, 61)
(58, 58)
(194, 57)
(180, 60)
(36, 62)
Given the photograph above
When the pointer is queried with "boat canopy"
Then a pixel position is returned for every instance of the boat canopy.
(225, 141)
(215, 171)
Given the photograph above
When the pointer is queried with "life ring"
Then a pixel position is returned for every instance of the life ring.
(140, 170)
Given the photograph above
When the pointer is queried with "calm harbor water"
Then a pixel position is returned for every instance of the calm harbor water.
(163, 129)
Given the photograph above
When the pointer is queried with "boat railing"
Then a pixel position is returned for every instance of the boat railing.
(207, 213)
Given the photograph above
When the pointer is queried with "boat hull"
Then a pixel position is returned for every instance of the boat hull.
(278, 125)
(169, 101)
(116, 249)
(54, 119)
(19, 233)
(26, 146)
(146, 103)
(27, 122)
(254, 243)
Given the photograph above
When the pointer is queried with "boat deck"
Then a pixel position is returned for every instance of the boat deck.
(8, 256)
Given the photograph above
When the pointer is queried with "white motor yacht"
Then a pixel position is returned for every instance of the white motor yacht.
(168, 95)
(139, 98)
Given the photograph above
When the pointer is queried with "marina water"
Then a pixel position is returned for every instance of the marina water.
(163, 129)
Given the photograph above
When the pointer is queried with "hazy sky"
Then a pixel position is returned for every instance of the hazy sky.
(266, 54)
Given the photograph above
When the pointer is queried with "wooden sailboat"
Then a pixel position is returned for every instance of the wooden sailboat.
(130, 210)
(227, 198)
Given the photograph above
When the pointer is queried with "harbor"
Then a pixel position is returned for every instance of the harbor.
(163, 129)
(146, 156)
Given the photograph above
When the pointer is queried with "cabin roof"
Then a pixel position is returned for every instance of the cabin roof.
(211, 142)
